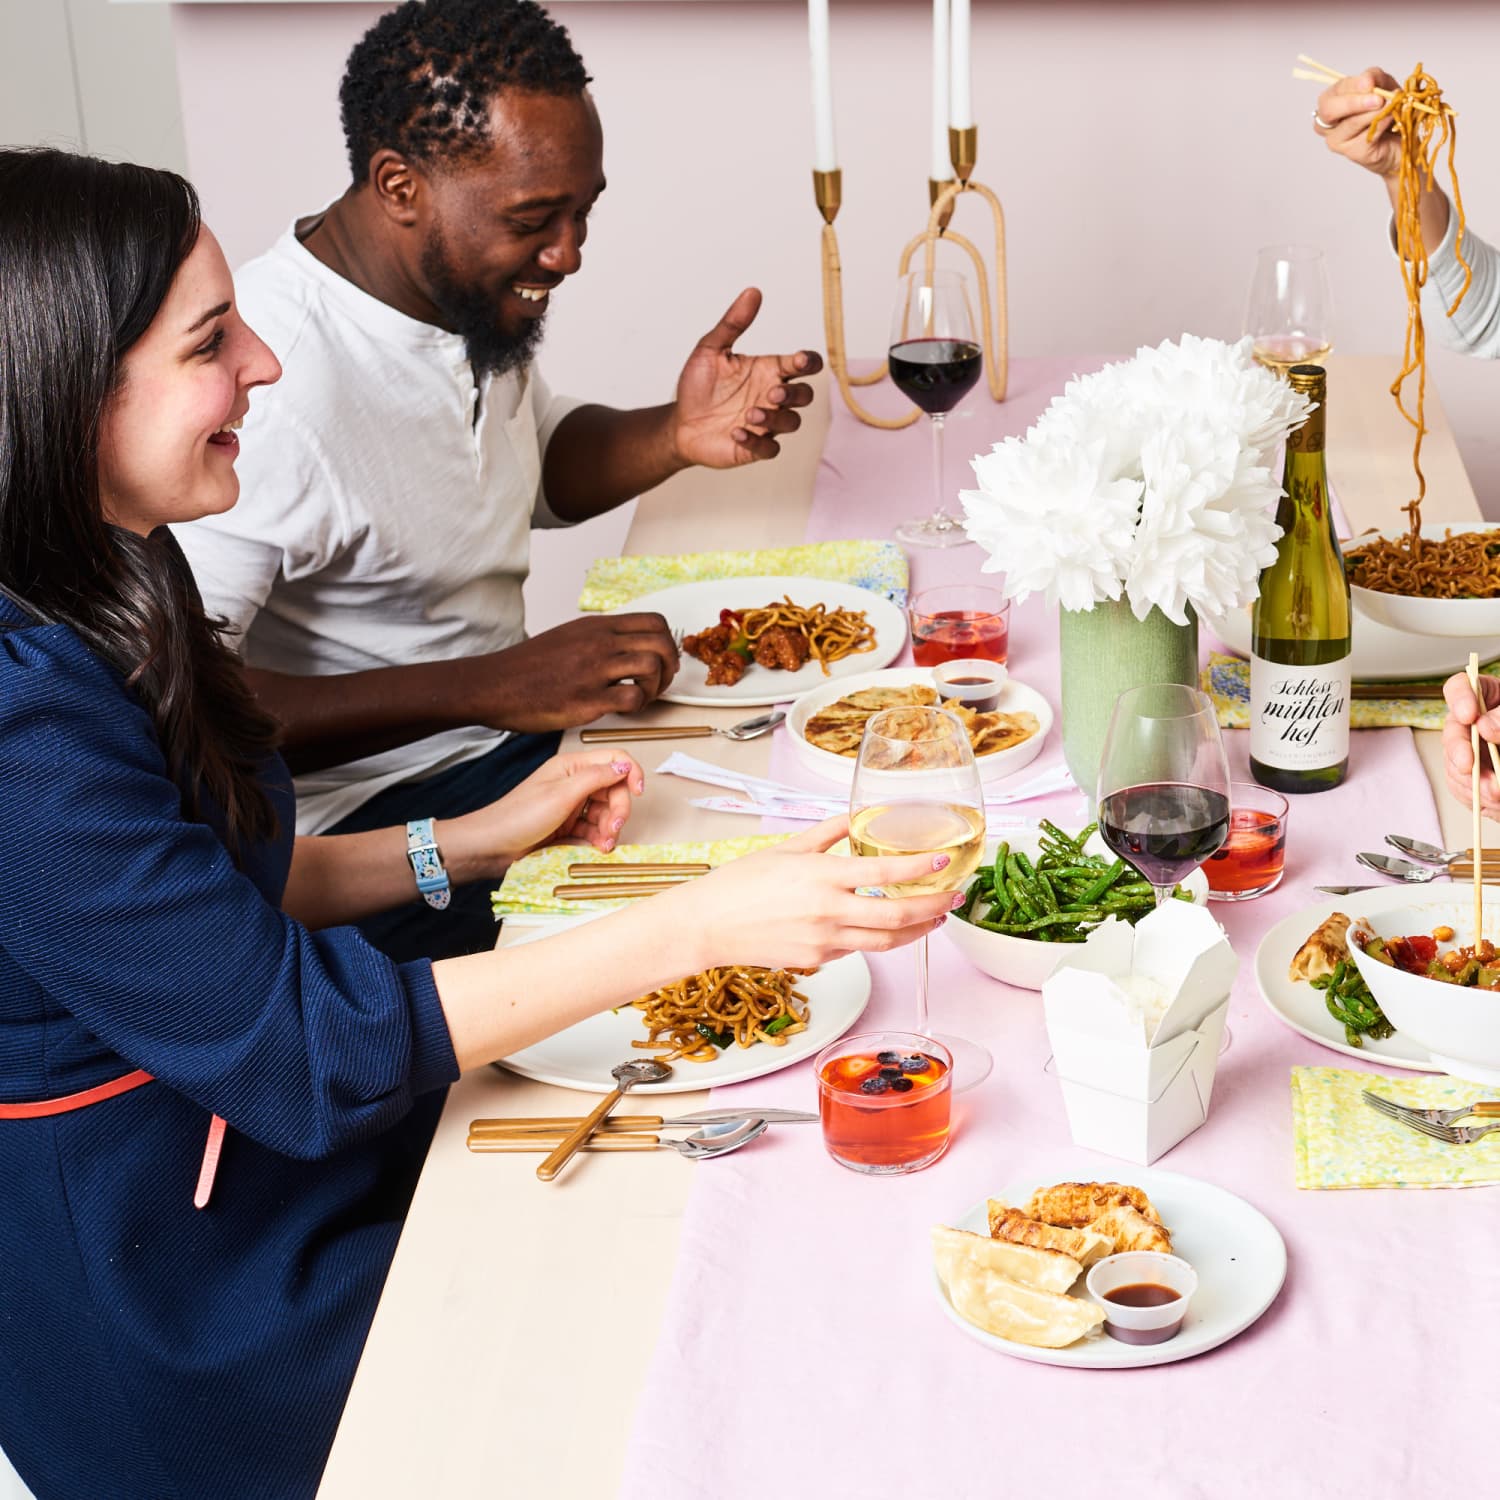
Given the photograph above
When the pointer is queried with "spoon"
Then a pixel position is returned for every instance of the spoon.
(715, 1140)
(626, 1075)
(701, 1145)
(748, 729)
(1429, 854)
(1400, 869)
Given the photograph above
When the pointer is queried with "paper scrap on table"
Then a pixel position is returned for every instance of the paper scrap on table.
(763, 798)
(815, 812)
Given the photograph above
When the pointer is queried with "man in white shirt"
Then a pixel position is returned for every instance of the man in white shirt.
(375, 561)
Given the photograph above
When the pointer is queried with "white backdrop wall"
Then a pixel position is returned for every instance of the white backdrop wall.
(1143, 152)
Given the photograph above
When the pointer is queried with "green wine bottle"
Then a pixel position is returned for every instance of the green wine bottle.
(1299, 648)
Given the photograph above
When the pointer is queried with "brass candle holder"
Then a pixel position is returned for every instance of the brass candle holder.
(963, 146)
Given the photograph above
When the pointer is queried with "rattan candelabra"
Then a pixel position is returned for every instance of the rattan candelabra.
(944, 196)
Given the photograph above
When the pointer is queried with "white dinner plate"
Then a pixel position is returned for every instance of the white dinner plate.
(1015, 697)
(1305, 1010)
(1237, 1252)
(691, 607)
(581, 1056)
(1377, 652)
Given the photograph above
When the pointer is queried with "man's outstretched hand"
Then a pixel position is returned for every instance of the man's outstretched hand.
(731, 407)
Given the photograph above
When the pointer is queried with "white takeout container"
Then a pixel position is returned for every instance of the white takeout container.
(1127, 1093)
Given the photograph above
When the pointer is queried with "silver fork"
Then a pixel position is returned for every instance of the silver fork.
(1432, 1116)
(1452, 1135)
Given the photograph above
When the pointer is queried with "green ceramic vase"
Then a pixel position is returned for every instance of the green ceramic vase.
(1105, 651)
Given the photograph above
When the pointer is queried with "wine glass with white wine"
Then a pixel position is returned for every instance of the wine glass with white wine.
(1289, 314)
(917, 791)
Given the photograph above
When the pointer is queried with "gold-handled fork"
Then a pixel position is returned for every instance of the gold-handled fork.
(1439, 1130)
(1481, 1107)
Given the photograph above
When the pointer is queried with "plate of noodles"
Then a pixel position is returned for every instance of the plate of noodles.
(736, 1022)
(1447, 584)
(750, 641)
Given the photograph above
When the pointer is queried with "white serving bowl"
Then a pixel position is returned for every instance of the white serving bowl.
(1442, 617)
(1459, 1026)
(1015, 697)
(1028, 963)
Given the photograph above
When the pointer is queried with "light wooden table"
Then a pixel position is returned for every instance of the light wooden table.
(514, 1332)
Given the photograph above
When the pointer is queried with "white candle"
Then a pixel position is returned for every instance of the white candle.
(942, 159)
(825, 156)
(959, 77)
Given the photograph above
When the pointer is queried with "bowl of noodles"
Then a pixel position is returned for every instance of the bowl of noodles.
(1445, 582)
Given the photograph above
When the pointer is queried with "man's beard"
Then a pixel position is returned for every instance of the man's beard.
(472, 314)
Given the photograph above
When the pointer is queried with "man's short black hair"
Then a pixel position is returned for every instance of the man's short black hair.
(420, 81)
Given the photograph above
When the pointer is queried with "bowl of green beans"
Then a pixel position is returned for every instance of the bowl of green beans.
(1038, 895)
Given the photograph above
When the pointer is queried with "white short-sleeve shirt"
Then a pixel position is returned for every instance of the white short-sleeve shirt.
(386, 505)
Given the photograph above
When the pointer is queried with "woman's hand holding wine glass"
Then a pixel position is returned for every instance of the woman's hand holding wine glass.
(917, 791)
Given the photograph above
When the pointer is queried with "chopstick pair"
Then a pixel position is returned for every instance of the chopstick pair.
(600, 1141)
(619, 878)
(1316, 72)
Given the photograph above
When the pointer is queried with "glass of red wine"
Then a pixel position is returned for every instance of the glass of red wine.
(935, 361)
(1164, 783)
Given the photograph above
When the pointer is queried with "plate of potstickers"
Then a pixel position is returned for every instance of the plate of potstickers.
(1010, 1272)
(1309, 982)
(770, 640)
(720, 1026)
(827, 725)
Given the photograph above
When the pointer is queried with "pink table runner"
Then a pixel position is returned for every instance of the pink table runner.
(804, 1353)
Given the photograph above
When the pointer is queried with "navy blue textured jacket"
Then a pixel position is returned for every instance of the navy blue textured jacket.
(148, 1348)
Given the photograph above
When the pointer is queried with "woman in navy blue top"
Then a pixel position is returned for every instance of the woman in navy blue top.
(171, 957)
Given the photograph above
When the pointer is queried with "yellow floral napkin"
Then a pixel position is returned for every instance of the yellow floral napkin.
(1342, 1143)
(528, 883)
(612, 582)
(1226, 679)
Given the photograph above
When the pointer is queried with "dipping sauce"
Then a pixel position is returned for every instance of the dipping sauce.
(1142, 1294)
(974, 682)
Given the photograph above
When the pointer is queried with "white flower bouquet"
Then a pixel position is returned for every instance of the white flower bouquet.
(1148, 479)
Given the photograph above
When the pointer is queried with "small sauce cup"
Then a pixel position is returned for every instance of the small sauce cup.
(975, 682)
(1154, 1292)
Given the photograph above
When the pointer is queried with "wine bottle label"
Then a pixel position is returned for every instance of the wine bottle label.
(1299, 716)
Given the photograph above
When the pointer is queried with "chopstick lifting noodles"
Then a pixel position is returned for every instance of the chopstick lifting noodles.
(1466, 566)
(748, 1004)
(1463, 566)
(1475, 777)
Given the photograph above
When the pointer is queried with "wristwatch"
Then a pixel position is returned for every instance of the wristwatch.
(427, 863)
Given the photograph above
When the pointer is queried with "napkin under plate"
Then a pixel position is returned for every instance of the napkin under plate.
(527, 887)
(1226, 679)
(880, 566)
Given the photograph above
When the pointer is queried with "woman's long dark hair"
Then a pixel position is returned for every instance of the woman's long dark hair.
(88, 250)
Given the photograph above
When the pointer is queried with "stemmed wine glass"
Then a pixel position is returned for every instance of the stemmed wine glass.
(1164, 782)
(916, 791)
(935, 360)
(1289, 313)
